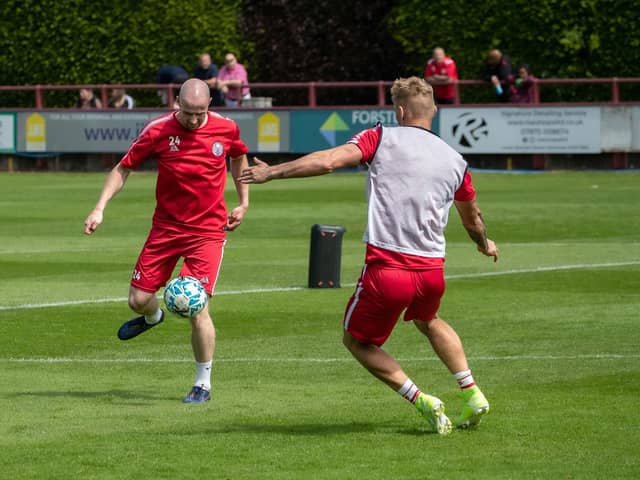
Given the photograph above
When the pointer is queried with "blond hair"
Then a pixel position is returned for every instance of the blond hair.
(415, 95)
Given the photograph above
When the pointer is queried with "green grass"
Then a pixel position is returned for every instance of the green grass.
(555, 350)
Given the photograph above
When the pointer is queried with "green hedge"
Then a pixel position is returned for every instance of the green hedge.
(568, 38)
(73, 41)
(102, 41)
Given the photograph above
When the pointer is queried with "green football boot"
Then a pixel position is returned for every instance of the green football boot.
(432, 409)
(475, 407)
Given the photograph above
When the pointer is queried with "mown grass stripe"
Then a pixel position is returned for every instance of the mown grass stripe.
(554, 268)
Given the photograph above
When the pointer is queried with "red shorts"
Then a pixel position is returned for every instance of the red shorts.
(382, 294)
(161, 252)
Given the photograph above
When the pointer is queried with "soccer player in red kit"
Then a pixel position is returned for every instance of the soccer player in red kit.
(414, 178)
(190, 146)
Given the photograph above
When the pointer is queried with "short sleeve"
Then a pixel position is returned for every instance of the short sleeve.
(452, 72)
(466, 192)
(367, 141)
(237, 147)
(140, 150)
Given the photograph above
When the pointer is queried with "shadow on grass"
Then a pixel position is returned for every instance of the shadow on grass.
(110, 395)
(314, 429)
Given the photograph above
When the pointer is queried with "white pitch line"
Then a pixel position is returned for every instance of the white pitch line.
(29, 306)
(544, 269)
(488, 358)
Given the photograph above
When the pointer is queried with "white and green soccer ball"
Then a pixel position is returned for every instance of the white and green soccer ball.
(185, 296)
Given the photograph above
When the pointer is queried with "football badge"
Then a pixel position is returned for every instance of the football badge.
(217, 149)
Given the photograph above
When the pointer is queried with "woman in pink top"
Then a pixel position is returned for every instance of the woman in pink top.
(233, 81)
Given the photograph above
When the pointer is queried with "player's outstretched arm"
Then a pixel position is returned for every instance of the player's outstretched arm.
(114, 183)
(316, 163)
(238, 164)
(474, 224)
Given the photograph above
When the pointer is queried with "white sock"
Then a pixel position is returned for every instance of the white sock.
(409, 391)
(464, 379)
(203, 375)
(155, 318)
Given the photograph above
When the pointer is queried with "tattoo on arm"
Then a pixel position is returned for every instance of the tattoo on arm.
(478, 232)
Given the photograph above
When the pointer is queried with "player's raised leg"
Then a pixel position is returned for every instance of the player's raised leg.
(448, 346)
(146, 304)
(203, 337)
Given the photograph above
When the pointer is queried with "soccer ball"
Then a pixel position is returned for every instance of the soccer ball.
(185, 296)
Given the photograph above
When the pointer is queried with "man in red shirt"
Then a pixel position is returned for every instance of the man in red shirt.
(414, 178)
(190, 220)
(442, 74)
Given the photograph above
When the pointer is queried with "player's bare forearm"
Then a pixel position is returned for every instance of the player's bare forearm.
(113, 184)
(474, 225)
(477, 231)
(238, 165)
(313, 164)
(236, 215)
(478, 234)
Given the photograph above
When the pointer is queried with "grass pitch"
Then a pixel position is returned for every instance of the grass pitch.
(551, 332)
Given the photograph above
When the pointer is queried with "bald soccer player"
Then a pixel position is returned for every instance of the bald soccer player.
(190, 146)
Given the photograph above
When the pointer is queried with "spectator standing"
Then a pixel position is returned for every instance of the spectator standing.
(523, 83)
(404, 261)
(498, 70)
(233, 81)
(120, 99)
(442, 74)
(191, 217)
(207, 71)
(87, 100)
(170, 74)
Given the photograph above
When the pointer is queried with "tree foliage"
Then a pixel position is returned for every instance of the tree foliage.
(102, 41)
(334, 40)
(76, 41)
(558, 38)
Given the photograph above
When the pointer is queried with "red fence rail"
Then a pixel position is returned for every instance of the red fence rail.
(312, 88)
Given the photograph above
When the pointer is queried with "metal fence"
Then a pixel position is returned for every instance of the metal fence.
(310, 93)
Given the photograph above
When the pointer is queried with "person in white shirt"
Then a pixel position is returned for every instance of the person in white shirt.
(414, 177)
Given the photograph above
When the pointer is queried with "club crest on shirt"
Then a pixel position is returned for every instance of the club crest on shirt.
(217, 149)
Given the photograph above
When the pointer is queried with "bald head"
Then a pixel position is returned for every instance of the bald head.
(494, 56)
(194, 91)
(438, 54)
(194, 99)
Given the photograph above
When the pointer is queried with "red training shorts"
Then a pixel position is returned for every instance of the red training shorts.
(382, 294)
(161, 252)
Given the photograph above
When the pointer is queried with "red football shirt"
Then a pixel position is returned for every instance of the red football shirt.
(446, 67)
(367, 141)
(191, 171)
